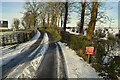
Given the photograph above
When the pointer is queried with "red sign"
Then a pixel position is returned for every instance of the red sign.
(89, 50)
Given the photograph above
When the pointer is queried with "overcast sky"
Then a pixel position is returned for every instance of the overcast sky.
(12, 10)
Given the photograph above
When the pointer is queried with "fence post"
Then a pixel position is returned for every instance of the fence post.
(32, 33)
(10, 39)
(7, 39)
(28, 35)
(22, 37)
(25, 37)
(3, 40)
(18, 36)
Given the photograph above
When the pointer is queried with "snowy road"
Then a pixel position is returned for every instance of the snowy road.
(47, 58)
(48, 68)
(49, 65)
(21, 66)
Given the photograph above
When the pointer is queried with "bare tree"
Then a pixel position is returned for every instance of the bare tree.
(87, 8)
(33, 9)
(27, 21)
(16, 23)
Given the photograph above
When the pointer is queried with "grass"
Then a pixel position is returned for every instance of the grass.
(53, 31)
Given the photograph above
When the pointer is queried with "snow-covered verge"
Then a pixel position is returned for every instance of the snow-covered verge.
(29, 70)
(76, 66)
(58, 63)
(8, 54)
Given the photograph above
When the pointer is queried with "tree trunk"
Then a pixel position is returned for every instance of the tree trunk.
(34, 23)
(48, 19)
(55, 24)
(29, 25)
(44, 22)
(66, 15)
(82, 18)
(58, 20)
(92, 22)
(52, 20)
(61, 18)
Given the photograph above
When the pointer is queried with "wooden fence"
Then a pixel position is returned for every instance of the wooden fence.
(16, 37)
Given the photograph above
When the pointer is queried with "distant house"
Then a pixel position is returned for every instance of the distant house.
(3, 25)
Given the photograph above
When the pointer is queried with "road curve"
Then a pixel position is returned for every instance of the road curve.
(6, 69)
(49, 65)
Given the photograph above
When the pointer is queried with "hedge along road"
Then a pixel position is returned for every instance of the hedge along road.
(6, 69)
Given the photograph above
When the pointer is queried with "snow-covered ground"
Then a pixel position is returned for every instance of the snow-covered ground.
(7, 54)
(29, 70)
(72, 32)
(76, 66)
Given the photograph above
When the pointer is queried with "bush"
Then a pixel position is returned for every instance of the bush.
(98, 57)
(113, 68)
(109, 69)
(97, 67)
(65, 37)
(55, 32)
(111, 37)
(100, 34)
(77, 43)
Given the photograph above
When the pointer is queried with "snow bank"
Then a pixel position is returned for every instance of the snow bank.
(32, 66)
(76, 66)
(58, 62)
(35, 63)
(12, 53)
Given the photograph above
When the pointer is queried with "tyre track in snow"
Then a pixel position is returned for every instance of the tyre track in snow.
(22, 58)
(62, 65)
(49, 65)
